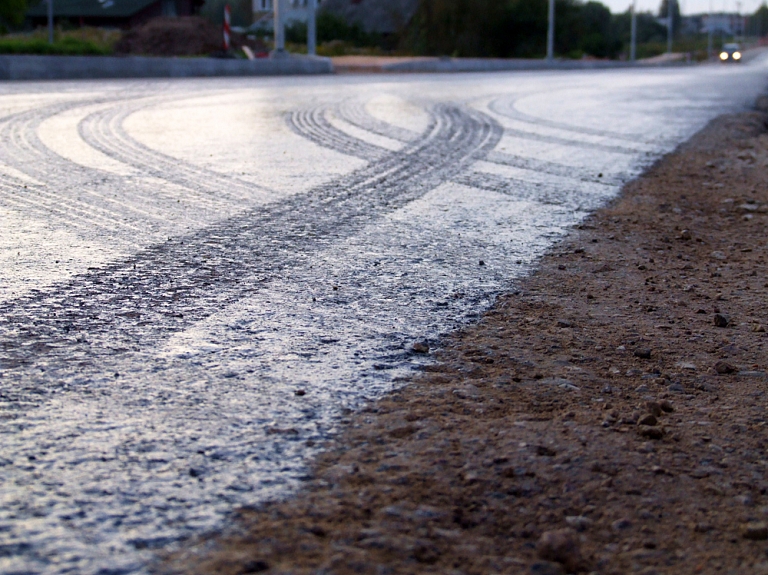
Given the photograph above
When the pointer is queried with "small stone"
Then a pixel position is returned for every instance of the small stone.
(667, 406)
(757, 328)
(643, 353)
(648, 419)
(755, 531)
(654, 408)
(685, 235)
(621, 524)
(257, 566)
(699, 473)
(641, 388)
(420, 347)
(546, 568)
(300, 392)
(563, 323)
(724, 368)
(676, 388)
(560, 546)
(650, 432)
(721, 320)
(481, 262)
(578, 522)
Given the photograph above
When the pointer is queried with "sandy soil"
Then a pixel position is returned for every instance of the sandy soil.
(609, 417)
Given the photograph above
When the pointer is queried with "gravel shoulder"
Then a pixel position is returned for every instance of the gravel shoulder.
(608, 417)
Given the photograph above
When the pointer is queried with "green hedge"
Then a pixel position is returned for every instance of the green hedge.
(65, 46)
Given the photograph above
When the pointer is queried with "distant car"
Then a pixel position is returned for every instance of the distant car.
(731, 53)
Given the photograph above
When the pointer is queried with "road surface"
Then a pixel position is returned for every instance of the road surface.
(199, 278)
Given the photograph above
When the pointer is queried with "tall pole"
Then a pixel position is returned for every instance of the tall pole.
(551, 32)
(633, 34)
(669, 25)
(709, 32)
(312, 27)
(50, 21)
(279, 29)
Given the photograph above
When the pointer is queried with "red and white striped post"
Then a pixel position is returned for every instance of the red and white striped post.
(226, 27)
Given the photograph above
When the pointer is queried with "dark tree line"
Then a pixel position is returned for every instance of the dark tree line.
(518, 28)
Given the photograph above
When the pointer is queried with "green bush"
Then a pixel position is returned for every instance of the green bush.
(65, 46)
(332, 28)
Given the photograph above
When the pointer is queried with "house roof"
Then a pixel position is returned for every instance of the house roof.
(91, 8)
(382, 16)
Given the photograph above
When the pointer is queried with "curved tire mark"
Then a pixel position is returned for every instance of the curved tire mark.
(138, 302)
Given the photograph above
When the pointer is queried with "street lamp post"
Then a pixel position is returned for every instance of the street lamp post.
(670, 20)
(633, 34)
(50, 21)
(279, 29)
(551, 32)
(312, 27)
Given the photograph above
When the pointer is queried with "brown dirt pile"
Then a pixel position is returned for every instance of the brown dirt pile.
(610, 417)
(183, 36)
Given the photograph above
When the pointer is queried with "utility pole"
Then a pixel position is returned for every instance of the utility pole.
(50, 21)
(551, 32)
(312, 27)
(670, 22)
(633, 33)
(709, 32)
(279, 29)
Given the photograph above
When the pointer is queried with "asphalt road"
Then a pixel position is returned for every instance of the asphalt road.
(198, 278)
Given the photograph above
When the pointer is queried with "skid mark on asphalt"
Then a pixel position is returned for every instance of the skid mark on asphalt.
(104, 131)
(145, 298)
(312, 124)
(355, 112)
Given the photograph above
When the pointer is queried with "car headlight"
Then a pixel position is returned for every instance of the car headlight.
(737, 55)
(723, 55)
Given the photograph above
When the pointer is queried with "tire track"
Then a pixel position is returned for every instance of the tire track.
(104, 131)
(552, 168)
(356, 114)
(313, 125)
(75, 196)
(506, 107)
(576, 198)
(138, 302)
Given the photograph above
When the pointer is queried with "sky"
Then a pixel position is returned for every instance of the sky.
(686, 6)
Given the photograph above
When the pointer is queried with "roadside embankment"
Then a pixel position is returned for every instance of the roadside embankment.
(609, 417)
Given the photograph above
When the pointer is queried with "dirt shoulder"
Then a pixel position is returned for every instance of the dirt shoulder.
(609, 417)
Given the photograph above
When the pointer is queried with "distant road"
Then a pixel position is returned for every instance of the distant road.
(199, 277)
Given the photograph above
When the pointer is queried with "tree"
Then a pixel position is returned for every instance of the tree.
(12, 12)
(758, 22)
(676, 18)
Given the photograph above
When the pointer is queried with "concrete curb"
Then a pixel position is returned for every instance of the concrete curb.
(23, 67)
(497, 65)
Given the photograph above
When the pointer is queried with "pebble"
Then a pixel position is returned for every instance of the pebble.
(648, 419)
(621, 524)
(654, 408)
(650, 432)
(420, 347)
(578, 522)
(300, 392)
(560, 546)
(546, 568)
(686, 235)
(676, 388)
(755, 531)
(721, 320)
(667, 406)
(643, 353)
(724, 368)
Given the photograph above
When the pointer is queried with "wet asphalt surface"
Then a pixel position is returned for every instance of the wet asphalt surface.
(200, 278)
